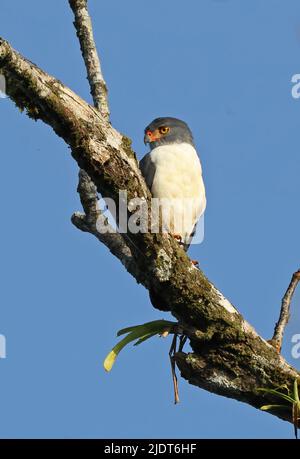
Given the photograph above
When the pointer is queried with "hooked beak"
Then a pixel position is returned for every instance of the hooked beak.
(150, 136)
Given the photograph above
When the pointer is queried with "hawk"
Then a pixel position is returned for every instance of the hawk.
(173, 173)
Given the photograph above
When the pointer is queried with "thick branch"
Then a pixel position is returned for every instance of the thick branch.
(228, 356)
(85, 35)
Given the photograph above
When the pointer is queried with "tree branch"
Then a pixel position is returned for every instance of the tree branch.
(86, 188)
(284, 316)
(84, 29)
(92, 217)
(228, 357)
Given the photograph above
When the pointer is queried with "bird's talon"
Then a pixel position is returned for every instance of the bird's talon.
(177, 237)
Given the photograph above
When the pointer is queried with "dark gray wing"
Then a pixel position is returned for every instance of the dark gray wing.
(148, 169)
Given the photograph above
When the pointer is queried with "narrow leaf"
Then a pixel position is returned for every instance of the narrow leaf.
(278, 394)
(109, 361)
(111, 357)
(137, 332)
(144, 338)
(274, 407)
(296, 394)
(128, 329)
(155, 326)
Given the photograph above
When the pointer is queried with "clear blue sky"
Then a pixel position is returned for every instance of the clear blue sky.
(225, 68)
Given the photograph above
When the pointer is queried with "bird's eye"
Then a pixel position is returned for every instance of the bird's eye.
(164, 130)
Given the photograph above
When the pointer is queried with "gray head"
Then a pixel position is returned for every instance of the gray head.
(165, 131)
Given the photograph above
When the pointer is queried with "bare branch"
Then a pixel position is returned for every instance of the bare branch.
(84, 29)
(88, 196)
(284, 316)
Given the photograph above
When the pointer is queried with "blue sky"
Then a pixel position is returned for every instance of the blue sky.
(225, 68)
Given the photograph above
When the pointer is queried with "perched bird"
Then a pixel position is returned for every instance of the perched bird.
(173, 173)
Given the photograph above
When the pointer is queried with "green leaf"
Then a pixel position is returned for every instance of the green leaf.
(137, 332)
(278, 394)
(274, 407)
(128, 329)
(295, 391)
(144, 338)
(109, 361)
(156, 326)
(293, 400)
(111, 357)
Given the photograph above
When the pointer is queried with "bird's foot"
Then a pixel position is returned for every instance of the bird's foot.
(177, 237)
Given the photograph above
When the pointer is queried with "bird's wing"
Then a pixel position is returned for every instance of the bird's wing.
(148, 168)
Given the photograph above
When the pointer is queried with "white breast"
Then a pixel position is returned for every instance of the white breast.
(178, 177)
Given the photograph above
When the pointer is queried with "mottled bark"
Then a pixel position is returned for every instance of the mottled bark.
(228, 358)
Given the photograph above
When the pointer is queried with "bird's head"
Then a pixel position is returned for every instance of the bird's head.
(166, 131)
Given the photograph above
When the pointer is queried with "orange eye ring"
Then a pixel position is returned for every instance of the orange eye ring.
(164, 130)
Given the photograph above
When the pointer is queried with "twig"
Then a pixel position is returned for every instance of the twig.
(182, 342)
(284, 316)
(84, 29)
(89, 199)
(173, 368)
